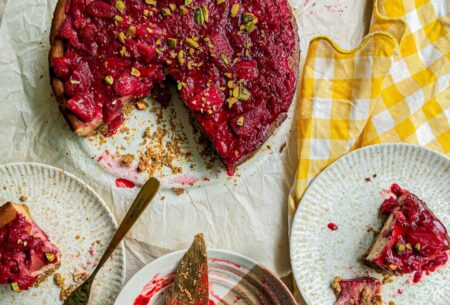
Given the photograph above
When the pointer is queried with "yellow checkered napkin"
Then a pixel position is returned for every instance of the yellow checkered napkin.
(393, 88)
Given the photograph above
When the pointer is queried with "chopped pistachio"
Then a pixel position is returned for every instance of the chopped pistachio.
(118, 18)
(219, 2)
(146, 12)
(225, 58)
(150, 2)
(400, 248)
(75, 82)
(228, 75)
(236, 92)
(141, 105)
(149, 30)
(249, 27)
(418, 246)
(230, 84)
(120, 6)
(205, 13)
(223, 89)
(50, 256)
(393, 266)
(181, 59)
(231, 101)
(122, 37)
(187, 2)
(180, 85)
(199, 17)
(15, 287)
(123, 51)
(158, 51)
(191, 42)
(109, 80)
(240, 121)
(172, 42)
(173, 7)
(135, 72)
(166, 12)
(131, 31)
(408, 246)
(183, 10)
(234, 10)
(158, 41)
(248, 17)
(244, 94)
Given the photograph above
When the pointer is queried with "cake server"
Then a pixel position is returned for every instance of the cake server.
(81, 295)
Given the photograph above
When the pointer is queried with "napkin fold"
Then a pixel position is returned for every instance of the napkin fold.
(394, 87)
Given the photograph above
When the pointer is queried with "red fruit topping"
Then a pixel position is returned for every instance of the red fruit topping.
(247, 70)
(360, 291)
(208, 101)
(83, 107)
(98, 8)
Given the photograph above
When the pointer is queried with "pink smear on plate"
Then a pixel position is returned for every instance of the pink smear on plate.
(185, 180)
(124, 183)
(155, 286)
(219, 260)
(116, 168)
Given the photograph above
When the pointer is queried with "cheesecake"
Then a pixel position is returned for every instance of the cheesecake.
(27, 257)
(412, 239)
(358, 291)
(191, 281)
(235, 64)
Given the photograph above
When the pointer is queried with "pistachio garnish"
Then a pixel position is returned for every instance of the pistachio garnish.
(418, 246)
(118, 18)
(248, 17)
(219, 2)
(109, 80)
(240, 121)
(131, 31)
(183, 10)
(50, 256)
(166, 12)
(149, 30)
(244, 94)
(230, 84)
(205, 12)
(228, 75)
(231, 101)
(150, 2)
(224, 58)
(400, 248)
(75, 82)
(172, 42)
(199, 17)
(393, 266)
(180, 85)
(172, 6)
(181, 59)
(123, 51)
(191, 42)
(234, 10)
(408, 246)
(187, 2)
(15, 287)
(135, 72)
(120, 6)
(122, 37)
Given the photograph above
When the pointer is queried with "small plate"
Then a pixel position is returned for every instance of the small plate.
(348, 194)
(77, 221)
(233, 279)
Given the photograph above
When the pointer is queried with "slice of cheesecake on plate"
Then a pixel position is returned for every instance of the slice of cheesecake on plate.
(412, 240)
(27, 257)
(358, 291)
(191, 282)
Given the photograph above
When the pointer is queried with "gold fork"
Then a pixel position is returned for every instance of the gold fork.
(81, 295)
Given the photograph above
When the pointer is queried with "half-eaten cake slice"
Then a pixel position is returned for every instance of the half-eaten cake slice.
(359, 291)
(191, 281)
(27, 257)
(412, 239)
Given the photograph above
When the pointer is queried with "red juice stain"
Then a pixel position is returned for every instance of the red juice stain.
(400, 291)
(124, 183)
(332, 226)
(211, 302)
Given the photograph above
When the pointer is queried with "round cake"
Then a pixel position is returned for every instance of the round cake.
(235, 63)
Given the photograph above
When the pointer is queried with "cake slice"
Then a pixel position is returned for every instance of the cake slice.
(359, 291)
(27, 257)
(412, 239)
(191, 281)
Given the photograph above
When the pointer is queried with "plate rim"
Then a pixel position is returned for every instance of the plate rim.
(211, 253)
(328, 168)
(93, 192)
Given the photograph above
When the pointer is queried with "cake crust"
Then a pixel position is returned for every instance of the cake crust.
(88, 128)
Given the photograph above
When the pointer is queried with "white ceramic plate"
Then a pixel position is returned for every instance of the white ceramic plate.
(75, 218)
(341, 194)
(233, 279)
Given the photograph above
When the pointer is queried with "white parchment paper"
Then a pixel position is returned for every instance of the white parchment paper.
(249, 216)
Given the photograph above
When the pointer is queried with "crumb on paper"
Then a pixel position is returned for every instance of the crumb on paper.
(282, 147)
(66, 292)
(336, 284)
(78, 237)
(178, 191)
(80, 276)
(127, 159)
(141, 105)
(23, 198)
(387, 278)
(391, 303)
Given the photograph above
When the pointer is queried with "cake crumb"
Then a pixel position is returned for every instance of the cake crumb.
(23, 198)
(178, 191)
(387, 278)
(336, 284)
(66, 292)
(127, 159)
(80, 276)
(59, 280)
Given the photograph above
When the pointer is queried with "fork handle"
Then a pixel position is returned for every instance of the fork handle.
(143, 199)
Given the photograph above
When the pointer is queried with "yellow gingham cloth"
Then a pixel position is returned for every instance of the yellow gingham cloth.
(394, 87)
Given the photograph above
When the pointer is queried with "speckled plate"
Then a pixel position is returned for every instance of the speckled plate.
(77, 221)
(233, 279)
(347, 193)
